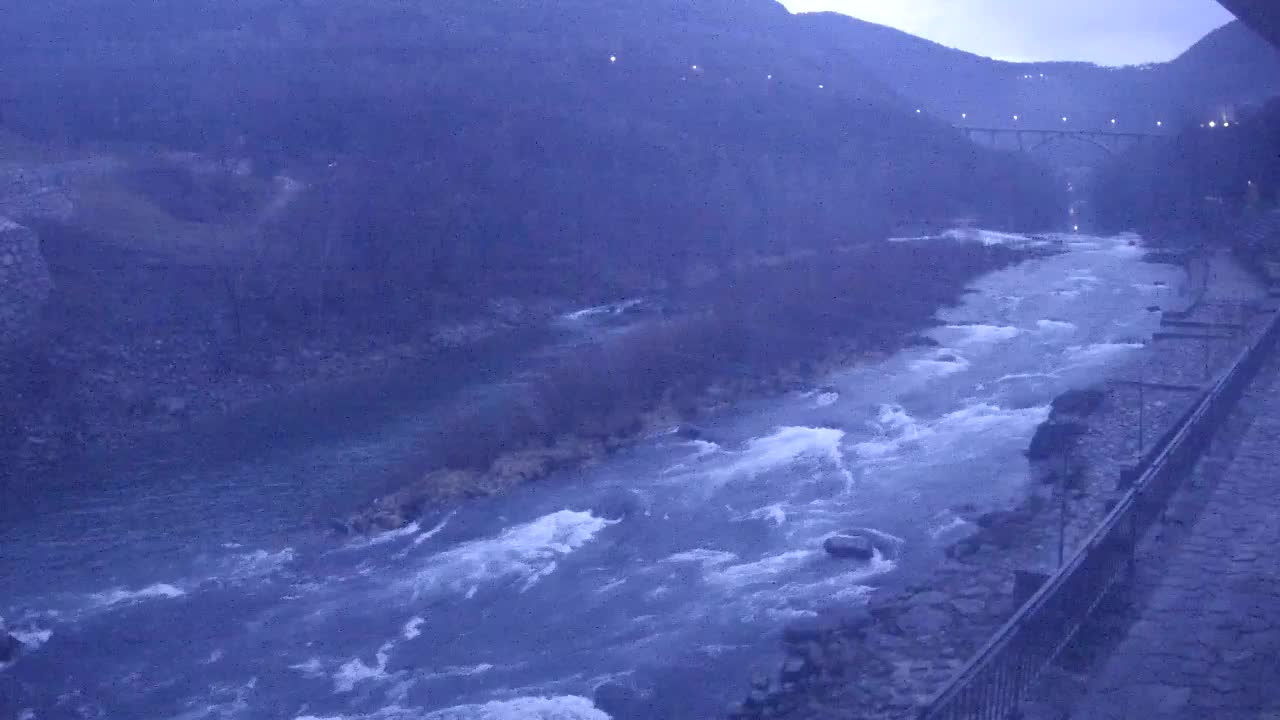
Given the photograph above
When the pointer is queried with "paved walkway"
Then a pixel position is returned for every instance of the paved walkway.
(1206, 641)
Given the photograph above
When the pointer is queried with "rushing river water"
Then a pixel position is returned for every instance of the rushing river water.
(179, 588)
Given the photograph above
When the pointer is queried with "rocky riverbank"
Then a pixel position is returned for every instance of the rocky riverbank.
(887, 659)
(85, 389)
(536, 460)
(664, 375)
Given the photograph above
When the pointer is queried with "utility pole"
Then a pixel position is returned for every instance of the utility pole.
(1207, 350)
(1062, 510)
(1142, 411)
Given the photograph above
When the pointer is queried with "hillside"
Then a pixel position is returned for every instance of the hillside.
(444, 137)
(275, 191)
(1231, 66)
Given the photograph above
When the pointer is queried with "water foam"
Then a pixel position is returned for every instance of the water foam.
(247, 566)
(702, 448)
(1026, 376)
(899, 431)
(454, 671)
(826, 399)
(610, 309)
(796, 598)
(783, 448)
(32, 637)
(1099, 353)
(439, 527)
(355, 671)
(311, 668)
(940, 363)
(945, 523)
(763, 570)
(895, 428)
(389, 535)
(978, 334)
(703, 556)
(988, 237)
(561, 707)
(775, 513)
(1055, 325)
(526, 553)
(120, 596)
(531, 707)
(413, 628)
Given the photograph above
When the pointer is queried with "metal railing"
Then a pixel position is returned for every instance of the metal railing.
(993, 683)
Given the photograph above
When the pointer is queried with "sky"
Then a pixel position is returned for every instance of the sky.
(1108, 32)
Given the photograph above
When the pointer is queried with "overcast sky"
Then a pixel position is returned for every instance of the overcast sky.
(1109, 32)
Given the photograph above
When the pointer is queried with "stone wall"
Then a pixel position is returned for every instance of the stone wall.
(24, 284)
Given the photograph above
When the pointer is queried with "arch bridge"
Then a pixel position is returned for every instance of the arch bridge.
(1032, 139)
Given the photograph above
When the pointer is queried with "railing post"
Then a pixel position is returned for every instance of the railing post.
(992, 684)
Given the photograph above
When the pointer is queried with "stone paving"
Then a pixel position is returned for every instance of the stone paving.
(1205, 640)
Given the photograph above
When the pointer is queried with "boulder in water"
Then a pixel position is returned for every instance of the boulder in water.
(690, 432)
(619, 505)
(857, 547)
(619, 701)
(922, 341)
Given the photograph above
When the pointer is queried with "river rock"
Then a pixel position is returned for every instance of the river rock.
(923, 620)
(619, 505)
(9, 646)
(922, 341)
(806, 630)
(1052, 438)
(617, 699)
(522, 466)
(690, 432)
(857, 547)
(794, 669)
(1080, 403)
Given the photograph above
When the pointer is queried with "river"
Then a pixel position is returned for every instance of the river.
(174, 586)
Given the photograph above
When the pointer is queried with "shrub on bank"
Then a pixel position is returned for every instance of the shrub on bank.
(746, 329)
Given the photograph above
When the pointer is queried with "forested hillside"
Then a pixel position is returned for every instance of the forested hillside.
(626, 141)
(1230, 67)
(260, 188)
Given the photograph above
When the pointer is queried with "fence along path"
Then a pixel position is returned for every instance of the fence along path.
(992, 685)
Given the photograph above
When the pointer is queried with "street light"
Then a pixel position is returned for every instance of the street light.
(1159, 123)
(613, 58)
(964, 116)
(1015, 118)
(1213, 123)
(1113, 121)
(1064, 118)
